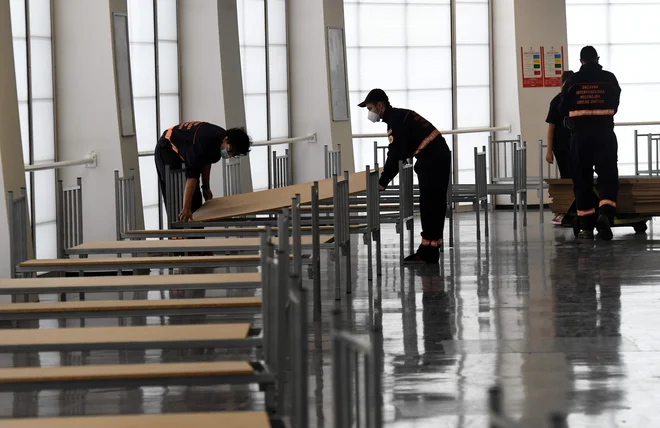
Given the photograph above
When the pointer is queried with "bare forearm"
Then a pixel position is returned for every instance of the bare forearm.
(206, 175)
(191, 186)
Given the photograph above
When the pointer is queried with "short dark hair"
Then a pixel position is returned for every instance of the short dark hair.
(565, 75)
(588, 54)
(239, 141)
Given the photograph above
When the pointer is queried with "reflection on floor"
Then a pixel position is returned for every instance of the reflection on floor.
(562, 325)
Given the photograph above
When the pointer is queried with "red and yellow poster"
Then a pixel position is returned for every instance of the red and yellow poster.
(553, 66)
(532, 74)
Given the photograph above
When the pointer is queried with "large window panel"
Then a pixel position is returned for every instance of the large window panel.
(44, 192)
(383, 68)
(17, 16)
(254, 70)
(279, 115)
(634, 23)
(429, 68)
(587, 31)
(471, 22)
(423, 25)
(276, 22)
(434, 105)
(141, 21)
(472, 65)
(169, 112)
(277, 68)
(46, 236)
(374, 18)
(255, 113)
(41, 68)
(168, 67)
(149, 179)
(40, 18)
(145, 122)
(167, 20)
(143, 70)
(43, 136)
(252, 19)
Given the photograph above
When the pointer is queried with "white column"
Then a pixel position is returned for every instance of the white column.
(87, 109)
(211, 81)
(12, 177)
(310, 87)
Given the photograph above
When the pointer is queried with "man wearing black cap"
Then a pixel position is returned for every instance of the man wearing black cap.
(411, 135)
(589, 100)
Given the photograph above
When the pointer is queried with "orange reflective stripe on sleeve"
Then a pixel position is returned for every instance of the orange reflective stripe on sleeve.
(584, 213)
(432, 136)
(168, 137)
(578, 113)
(607, 202)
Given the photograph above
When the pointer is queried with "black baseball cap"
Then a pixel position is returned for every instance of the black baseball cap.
(588, 53)
(374, 96)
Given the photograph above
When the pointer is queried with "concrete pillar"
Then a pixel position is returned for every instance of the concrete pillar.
(87, 109)
(309, 86)
(211, 80)
(12, 177)
(537, 24)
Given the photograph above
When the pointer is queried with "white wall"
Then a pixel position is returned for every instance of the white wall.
(211, 83)
(310, 87)
(12, 177)
(87, 110)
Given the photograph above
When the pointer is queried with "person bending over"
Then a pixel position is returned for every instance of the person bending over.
(198, 145)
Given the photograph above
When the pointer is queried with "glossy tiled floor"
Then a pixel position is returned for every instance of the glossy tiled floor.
(562, 325)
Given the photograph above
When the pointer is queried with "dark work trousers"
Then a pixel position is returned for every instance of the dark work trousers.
(595, 149)
(433, 169)
(563, 159)
(165, 156)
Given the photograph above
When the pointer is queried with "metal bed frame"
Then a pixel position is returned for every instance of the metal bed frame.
(69, 217)
(348, 350)
(125, 203)
(332, 159)
(282, 170)
(514, 183)
(18, 229)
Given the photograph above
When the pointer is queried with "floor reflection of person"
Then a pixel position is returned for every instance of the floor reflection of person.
(587, 295)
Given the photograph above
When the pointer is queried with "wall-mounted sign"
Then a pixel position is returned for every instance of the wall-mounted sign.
(532, 74)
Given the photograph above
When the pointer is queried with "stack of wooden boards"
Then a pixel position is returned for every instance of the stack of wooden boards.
(637, 195)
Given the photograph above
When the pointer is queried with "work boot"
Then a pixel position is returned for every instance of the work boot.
(604, 228)
(424, 254)
(587, 234)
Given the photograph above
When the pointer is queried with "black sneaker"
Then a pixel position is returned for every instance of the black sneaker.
(604, 228)
(586, 234)
(424, 255)
(414, 259)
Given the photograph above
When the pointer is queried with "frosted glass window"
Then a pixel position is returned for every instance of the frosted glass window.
(25, 130)
(259, 162)
(626, 59)
(276, 22)
(17, 16)
(253, 22)
(20, 68)
(424, 25)
(472, 65)
(466, 145)
(151, 217)
(382, 25)
(634, 23)
(255, 113)
(140, 21)
(351, 24)
(46, 240)
(383, 68)
(40, 18)
(44, 195)
(143, 72)
(169, 112)
(434, 105)
(473, 107)
(254, 69)
(168, 67)
(149, 179)
(429, 68)
(639, 103)
(587, 31)
(167, 21)
(353, 68)
(278, 68)
(42, 68)
(471, 23)
(145, 123)
(279, 115)
(43, 138)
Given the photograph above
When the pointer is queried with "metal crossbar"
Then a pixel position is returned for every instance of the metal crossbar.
(126, 213)
(175, 189)
(406, 208)
(342, 234)
(232, 176)
(332, 161)
(499, 420)
(652, 142)
(69, 217)
(509, 181)
(357, 388)
(282, 171)
(476, 193)
(18, 229)
(520, 183)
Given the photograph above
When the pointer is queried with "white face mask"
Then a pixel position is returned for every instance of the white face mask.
(373, 116)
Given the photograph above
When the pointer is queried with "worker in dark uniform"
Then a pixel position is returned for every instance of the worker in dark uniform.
(197, 145)
(411, 135)
(559, 140)
(589, 100)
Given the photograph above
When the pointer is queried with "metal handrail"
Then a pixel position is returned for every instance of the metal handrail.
(506, 128)
(89, 161)
(636, 123)
(306, 139)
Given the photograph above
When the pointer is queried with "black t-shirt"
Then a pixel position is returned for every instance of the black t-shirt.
(562, 136)
(197, 143)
